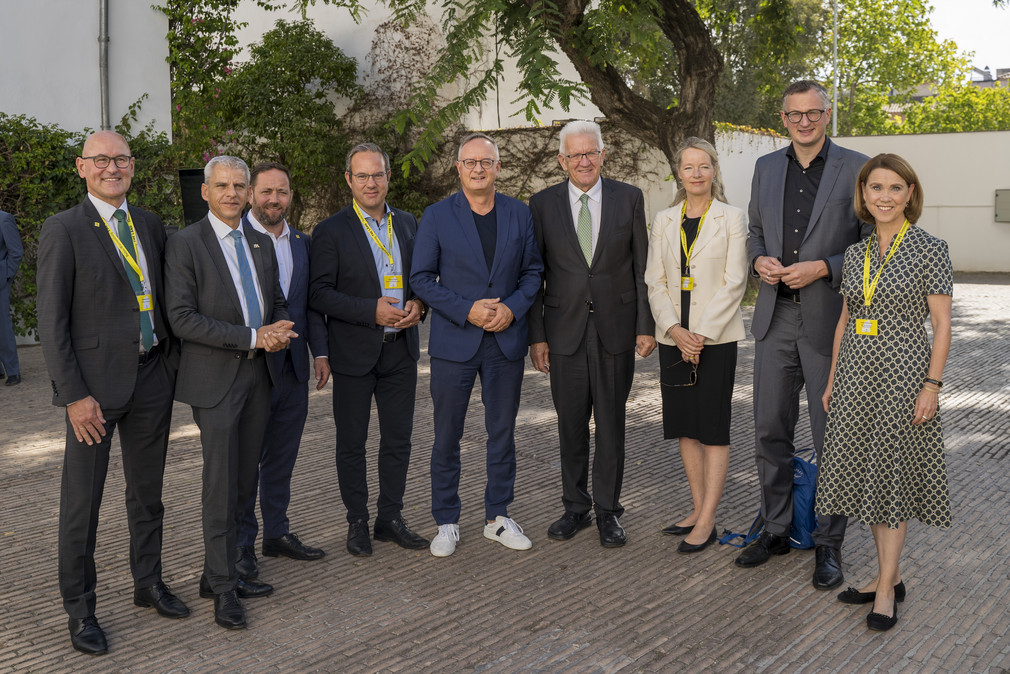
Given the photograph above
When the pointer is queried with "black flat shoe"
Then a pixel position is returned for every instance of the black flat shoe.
(854, 596)
(687, 548)
(761, 550)
(569, 525)
(677, 530)
(87, 636)
(247, 589)
(878, 622)
(159, 597)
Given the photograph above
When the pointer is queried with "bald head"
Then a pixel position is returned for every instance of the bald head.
(99, 165)
(100, 139)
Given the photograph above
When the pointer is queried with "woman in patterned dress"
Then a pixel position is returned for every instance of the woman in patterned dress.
(697, 274)
(883, 458)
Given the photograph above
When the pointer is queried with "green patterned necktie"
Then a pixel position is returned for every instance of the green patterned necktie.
(585, 229)
(146, 329)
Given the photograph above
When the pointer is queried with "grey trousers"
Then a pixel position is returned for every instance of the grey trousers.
(784, 361)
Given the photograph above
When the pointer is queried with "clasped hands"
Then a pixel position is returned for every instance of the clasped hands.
(490, 315)
(689, 343)
(276, 336)
(389, 316)
(795, 276)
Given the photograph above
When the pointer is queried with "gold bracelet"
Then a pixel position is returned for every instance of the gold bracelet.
(927, 387)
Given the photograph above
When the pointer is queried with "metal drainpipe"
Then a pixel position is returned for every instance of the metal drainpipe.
(103, 59)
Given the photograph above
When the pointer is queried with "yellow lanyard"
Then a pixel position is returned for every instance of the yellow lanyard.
(389, 230)
(122, 249)
(697, 235)
(870, 287)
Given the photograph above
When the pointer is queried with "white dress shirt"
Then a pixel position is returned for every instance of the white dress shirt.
(223, 233)
(282, 251)
(595, 206)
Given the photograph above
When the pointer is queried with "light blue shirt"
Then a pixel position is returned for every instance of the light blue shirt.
(382, 265)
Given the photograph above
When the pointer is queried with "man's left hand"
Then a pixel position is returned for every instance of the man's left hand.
(322, 368)
(802, 274)
(502, 318)
(645, 344)
(413, 316)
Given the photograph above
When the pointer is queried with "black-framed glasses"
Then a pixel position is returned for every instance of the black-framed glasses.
(678, 373)
(471, 164)
(363, 178)
(577, 156)
(795, 116)
(101, 161)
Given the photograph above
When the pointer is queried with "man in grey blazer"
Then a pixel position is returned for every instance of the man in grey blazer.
(226, 305)
(801, 222)
(590, 316)
(112, 359)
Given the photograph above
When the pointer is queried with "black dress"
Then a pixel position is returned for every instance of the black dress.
(701, 411)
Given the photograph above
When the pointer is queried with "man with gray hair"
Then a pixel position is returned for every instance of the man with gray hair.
(225, 303)
(360, 271)
(590, 317)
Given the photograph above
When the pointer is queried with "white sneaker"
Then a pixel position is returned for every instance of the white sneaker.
(508, 533)
(444, 543)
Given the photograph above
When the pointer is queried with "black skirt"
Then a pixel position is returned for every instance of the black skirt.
(701, 411)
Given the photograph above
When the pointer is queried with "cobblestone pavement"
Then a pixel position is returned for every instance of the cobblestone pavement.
(561, 607)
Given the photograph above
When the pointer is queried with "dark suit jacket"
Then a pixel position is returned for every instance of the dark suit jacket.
(449, 273)
(11, 250)
(310, 325)
(614, 283)
(833, 227)
(345, 287)
(205, 312)
(89, 320)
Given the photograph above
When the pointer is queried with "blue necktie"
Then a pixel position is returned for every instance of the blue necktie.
(146, 328)
(252, 300)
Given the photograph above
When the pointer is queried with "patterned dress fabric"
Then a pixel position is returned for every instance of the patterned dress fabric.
(876, 466)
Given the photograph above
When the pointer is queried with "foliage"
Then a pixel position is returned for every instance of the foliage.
(960, 108)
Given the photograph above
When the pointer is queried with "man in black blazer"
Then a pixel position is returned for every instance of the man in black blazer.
(112, 359)
(589, 318)
(270, 197)
(360, 271)
(225, 304)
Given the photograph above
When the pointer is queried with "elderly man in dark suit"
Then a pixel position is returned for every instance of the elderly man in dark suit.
(360, 272)
(226, 305)
(111, 357)
(11, 252)
(477, 266)
(589, 319)
(270, 198)
(801, 222)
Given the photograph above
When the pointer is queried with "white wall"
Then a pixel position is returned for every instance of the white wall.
(49, 62)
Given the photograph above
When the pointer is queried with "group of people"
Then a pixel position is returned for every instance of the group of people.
(234, 313)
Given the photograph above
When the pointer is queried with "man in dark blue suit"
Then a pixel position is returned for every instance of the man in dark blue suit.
(476, 264)
(11, 252)
(270, 198)
(360, 263)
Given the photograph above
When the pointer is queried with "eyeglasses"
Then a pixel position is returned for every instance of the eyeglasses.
(795, 116)
(101, 161)
(692, 376)
(577, 157)
(362, 178)
(471, 164)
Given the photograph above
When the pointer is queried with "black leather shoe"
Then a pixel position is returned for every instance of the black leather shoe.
(247, 566)
(358, 542)
(854, 596)
(162, 599)
(688, 548)
(228, 611)
(247, 589)
(675, 530)
(14, 380)
(878, 622)
(611, 532)
(397, 531)
(87, 636)
(828, 568)
(761, 550)
(569, 525)
(288, 545)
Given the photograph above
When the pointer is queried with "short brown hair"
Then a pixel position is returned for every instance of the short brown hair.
(891, 162)
(264, 166)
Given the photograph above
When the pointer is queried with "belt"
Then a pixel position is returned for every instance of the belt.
(790, 295)
(391, 337)
(146, 356)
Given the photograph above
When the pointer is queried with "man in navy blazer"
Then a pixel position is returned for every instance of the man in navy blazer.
(269, 199)
(11, 252)
(801, 221)
(360, 266)
(477, 266)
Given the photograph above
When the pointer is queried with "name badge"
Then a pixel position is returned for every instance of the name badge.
(687, 283)
(865, 326)
(393, 281)
(145, 302)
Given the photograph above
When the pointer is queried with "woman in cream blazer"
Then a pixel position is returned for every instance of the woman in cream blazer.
(697, 274)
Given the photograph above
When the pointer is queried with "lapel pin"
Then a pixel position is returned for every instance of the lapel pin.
(97, 225)
(256, 245)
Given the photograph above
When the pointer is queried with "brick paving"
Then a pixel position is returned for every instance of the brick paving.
(561, 607)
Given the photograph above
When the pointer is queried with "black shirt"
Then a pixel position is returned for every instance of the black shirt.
(487, 230)
(690, 226)
(798, 203)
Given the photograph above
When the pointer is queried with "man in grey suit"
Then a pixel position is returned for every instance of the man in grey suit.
(11, 252)
(801, 222)
(111, 358)
(589, 318)
(226, 305)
